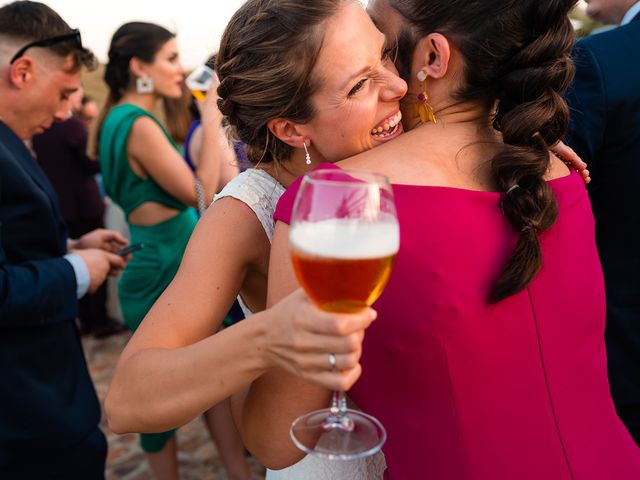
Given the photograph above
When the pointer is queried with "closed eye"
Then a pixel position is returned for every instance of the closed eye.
(391, 52)
(357, 87)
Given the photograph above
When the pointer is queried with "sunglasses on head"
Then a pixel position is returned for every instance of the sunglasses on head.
(73, 36)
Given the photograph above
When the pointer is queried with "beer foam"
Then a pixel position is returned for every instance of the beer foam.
(346, 239)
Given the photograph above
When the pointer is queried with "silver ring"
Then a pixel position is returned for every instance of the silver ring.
(332, 362)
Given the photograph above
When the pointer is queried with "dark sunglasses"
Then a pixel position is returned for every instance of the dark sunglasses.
(73, 36)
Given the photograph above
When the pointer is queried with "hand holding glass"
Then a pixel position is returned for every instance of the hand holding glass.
(344, 237)
(200, 81)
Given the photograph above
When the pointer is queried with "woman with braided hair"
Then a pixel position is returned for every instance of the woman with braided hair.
(487, 360)
(295, 76)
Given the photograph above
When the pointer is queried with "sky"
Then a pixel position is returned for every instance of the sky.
(198, 23)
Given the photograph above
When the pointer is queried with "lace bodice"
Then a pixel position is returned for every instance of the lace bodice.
(260, 191)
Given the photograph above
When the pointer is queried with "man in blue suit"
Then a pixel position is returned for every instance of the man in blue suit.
(605, 132)
(49, 411)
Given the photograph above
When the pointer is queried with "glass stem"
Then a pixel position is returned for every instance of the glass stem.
(338, 418)
(339, 403)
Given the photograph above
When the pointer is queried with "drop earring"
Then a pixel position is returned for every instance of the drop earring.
(422, 109)
(307, 157)
(144, 84)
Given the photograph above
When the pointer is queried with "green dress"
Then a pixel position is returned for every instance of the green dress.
(151, 269)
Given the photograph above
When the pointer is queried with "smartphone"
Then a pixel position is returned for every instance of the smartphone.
(130, 249)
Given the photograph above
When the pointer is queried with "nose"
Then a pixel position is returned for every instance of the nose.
(394, 89)
(63, 111)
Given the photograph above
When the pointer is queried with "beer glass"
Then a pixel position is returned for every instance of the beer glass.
(344, 237)
(200, 81)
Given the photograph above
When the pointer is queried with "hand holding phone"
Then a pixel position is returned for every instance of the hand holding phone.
(130, 249)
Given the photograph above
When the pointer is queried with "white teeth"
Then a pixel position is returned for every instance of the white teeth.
(388, 126)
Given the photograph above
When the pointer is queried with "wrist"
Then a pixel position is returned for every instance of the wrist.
(259, 330)
(211, 127)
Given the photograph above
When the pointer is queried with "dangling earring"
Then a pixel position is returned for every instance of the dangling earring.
(144, 84)
(422, 109)
(307, 157)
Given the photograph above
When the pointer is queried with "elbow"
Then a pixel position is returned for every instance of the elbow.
(265, 436)
(274, 455)
(125, 414)
(275, 465)
(277, 461)
(122, 414)
(116, 418)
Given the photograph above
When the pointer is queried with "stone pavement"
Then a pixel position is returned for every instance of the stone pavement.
(197, 455)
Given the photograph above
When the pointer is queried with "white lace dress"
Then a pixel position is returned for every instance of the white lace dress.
(261, 192)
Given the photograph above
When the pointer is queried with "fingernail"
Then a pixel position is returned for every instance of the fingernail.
(374, 314)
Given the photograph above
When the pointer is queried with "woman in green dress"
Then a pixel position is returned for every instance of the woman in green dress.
(144, 173)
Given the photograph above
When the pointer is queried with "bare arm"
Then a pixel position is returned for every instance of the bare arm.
(210, 150)
(217, 147)
(176, 367)
(176, 341)
(275, 399)
(230, 166)
(151, 151)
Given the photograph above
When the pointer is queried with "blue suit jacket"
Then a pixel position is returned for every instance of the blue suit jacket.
(47, 399)
(605, 132)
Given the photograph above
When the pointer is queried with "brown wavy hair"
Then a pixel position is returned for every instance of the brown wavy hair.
(265, 64)
(516, 54)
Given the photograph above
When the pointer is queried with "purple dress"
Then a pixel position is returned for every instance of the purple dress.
(468, 390)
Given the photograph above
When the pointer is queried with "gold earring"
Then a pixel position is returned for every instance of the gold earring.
(422, 109)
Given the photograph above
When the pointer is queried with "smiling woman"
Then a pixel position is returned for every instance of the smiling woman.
(281, 89)
(333, 104)
(472, 364)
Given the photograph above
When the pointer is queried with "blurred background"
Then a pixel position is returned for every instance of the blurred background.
(198, 24)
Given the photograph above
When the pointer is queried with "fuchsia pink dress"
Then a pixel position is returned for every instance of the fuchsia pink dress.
(512, 391)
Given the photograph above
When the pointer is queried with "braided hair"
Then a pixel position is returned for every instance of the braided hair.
(516, 54)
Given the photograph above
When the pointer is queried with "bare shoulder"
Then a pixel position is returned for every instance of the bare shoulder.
(557, 168)
(235, 223)
(147, 137)
(371, 159)
(402, 160)
(145, 126)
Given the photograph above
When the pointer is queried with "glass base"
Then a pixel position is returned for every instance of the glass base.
(349, 437)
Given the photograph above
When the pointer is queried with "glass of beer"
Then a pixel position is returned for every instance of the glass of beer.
(199, 81)
(344, 237)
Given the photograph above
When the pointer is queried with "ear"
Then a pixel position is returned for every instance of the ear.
(434, 53)
(287, 131)
(21, 71)
(137, 67)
